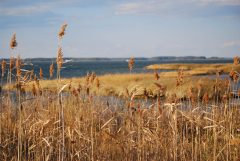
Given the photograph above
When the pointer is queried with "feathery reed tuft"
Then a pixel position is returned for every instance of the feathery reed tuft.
(40, 73)
(62, 31)
(51, 70)
(131, 64)
(13, 42)
(59, 58)
(3, 67)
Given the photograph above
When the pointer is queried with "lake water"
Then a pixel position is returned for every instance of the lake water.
(80, 68)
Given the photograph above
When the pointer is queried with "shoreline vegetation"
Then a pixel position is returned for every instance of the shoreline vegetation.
(195, 69)
(187, 118)
(118, 84)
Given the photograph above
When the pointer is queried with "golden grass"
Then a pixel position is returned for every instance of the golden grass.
(116, 84)
(195, 69)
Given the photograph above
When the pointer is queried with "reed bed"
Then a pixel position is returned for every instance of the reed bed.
(73, 122)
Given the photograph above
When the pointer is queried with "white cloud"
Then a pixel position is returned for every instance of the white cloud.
(156, 6)
(24, 10)
(231, 43)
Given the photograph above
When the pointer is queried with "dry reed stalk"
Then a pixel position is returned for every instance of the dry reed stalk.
(131, 63)
(92, 77)
(34, 90)
(156, 75)
(40, 73)
(18, 68)
(61, 112)
(51, 70)
(3, 67)
(97, 83)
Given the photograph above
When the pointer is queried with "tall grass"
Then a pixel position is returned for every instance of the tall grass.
(73, 123)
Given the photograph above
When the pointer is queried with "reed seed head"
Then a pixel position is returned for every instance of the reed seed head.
(156, 75)
(3, 67)
(59, 58)
(13, 42)
(236, 60)
(61, 33)
(51, 70)
(40, 73)
(131, 63)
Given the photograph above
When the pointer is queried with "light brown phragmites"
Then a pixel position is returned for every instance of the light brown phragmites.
(199, 87)
(131, 64)
(13, 42)
(87, 78)
(18, 67)
(3, 67)
(234, 75)
(205, 98)
(79, 88)
(180, 77)
(12, 62)
(59, 58)
(40, 73)
(156, 75)
(34, 90)
(97, 83)
(236, 60)
(51, 70)
(93, 76)
(61, 33)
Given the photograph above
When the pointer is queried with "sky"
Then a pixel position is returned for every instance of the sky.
(121, 28)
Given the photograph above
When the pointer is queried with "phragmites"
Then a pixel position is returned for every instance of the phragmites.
(51, 70)
(97, 83)
(34, 90)
(59, 58)
(93, 76)
(40, 73)
(62, 31)
(205, 98)
(13, 42)
(18, 67)
(156, 75)
(131, 64)
(234, 75)
(180, 77)
(3, 67)
(236, 60)
(11, 64)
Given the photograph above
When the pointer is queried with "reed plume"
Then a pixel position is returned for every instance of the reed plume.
(40, 73)
(97, 83)
(61, 33)
(13, 42)
(180, 77)
(156, 75)
(51, 70)
(236, 60)
(3, 67)
(59, 58)
(131, 64)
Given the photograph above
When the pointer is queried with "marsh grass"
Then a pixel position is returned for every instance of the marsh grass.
(159, 118)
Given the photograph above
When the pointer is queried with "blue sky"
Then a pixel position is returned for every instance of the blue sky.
(121, 28)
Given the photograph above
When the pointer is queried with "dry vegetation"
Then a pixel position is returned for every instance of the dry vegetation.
(196, 69)
(70, 120)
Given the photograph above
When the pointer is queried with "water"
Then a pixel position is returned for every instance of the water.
(100, 67)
